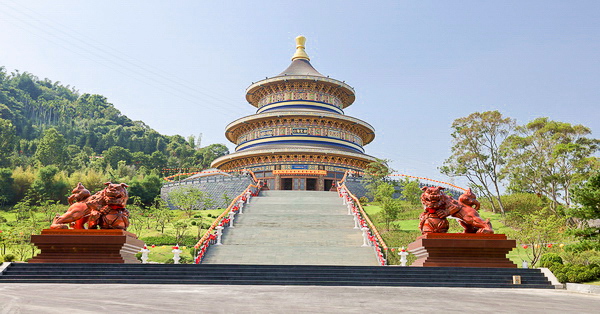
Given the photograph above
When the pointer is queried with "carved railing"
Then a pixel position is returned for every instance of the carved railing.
(371, 236)
(226, 219)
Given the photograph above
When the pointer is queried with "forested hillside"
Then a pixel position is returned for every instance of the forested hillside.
(52, 136)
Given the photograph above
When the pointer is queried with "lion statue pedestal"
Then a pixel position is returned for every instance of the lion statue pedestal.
(86, 246)
(462, 250)
(99, 233)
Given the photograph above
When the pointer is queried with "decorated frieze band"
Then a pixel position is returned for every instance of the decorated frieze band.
(300, 104)
(302, 129)
(300, 171)
(300, 140)
(300, 95)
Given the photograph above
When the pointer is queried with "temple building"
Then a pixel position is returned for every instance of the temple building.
(299, 138)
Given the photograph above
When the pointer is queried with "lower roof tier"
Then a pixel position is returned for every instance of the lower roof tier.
(264, 120)
(293, 155)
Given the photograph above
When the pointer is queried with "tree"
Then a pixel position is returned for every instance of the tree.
(476, 153)
(52, 148)
(113, 155)
(47, 186)
(390, 210)
(549, 157)
(188, 199)
(8, 140)
(7, 191)
(147, 189)
(411, 192)
(587, 196)
(162, 213)
(384, 191)
(212, 152)
(375, 173)
(536, 230)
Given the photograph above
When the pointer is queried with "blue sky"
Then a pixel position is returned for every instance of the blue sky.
(183, 66)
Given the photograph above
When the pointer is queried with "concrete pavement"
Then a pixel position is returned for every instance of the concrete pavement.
(66, 298)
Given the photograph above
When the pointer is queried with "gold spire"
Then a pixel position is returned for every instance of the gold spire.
(300, 53)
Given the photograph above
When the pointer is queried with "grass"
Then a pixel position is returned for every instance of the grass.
(596, 283)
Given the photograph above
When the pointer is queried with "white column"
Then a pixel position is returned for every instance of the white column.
(356, 222)
(176, 251)
(403, 254)
(231, 218)
(145, 252)
(219, 234)
(365, 236)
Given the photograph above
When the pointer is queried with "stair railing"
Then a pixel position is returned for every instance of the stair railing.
(370, 233)
(214, 232)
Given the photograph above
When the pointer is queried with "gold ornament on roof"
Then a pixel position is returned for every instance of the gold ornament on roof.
(300, 53)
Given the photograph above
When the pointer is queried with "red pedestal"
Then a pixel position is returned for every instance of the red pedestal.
(462, 250)
(86, 246)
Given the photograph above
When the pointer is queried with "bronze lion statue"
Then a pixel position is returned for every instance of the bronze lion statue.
(104, 210)
(438, 206)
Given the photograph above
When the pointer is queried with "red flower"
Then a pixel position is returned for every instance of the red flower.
(525, 246)
(153, 246)
(550, 245)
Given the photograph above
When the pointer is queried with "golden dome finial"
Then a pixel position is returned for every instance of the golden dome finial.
(300, 53)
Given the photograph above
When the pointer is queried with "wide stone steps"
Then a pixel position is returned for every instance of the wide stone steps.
(273, 275)
(293, 228)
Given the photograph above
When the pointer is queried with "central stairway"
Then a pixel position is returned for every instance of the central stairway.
(293, 228)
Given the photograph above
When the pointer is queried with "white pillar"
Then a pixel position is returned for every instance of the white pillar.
(365, 236)
(240, 205)
(349, 208)
(219, 234)
(356, 222)
(248, 196)
(524, 264)
(176, 251)
(145, 252)
(231, 218)
(403, 254)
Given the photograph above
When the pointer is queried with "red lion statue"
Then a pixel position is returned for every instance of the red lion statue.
(438, 206)
(105, 209)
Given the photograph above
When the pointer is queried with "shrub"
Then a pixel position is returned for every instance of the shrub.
(9, 258)
(576, 273)
(583, 246)
(138, 255)
(550, 258)
(170, 240)
(193, 223)
(363, 200)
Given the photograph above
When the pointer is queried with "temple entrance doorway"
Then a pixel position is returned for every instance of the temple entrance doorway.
(327, 185)
(286, 183)
(311, 184)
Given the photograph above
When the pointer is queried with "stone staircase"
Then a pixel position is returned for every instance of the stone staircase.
(293, 228)
(273, 275)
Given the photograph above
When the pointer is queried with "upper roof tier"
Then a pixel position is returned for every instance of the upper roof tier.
(299, 71)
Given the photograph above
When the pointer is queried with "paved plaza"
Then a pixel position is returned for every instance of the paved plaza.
(66, 298)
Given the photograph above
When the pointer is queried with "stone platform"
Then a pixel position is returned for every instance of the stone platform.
(462, 250)
(86, 246)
